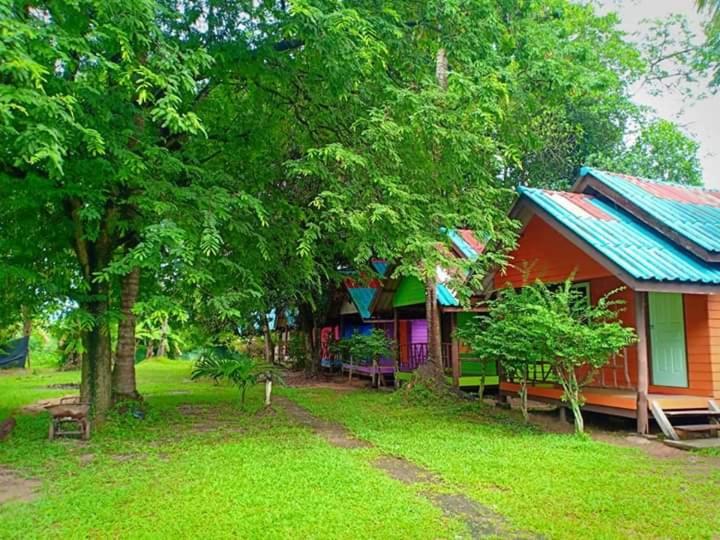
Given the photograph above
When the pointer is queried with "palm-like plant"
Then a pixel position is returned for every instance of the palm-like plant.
(239, 369)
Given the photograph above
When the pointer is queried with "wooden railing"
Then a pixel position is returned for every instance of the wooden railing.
(412, 355)
(614, 374)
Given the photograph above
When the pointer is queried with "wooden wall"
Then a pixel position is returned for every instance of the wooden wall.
(548, 256)
(714, 341)
(552, 258)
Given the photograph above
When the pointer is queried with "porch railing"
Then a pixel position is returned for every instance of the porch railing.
(614, 374)
(412, 355)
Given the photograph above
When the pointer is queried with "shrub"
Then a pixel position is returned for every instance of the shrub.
(555, 325)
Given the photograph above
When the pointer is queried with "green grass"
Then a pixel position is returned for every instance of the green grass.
(197, 466)
(231, 474)
(558, 485)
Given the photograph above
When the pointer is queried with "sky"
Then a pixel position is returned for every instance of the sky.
(700, 119)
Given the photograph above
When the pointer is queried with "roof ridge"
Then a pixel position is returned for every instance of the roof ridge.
(589, 170)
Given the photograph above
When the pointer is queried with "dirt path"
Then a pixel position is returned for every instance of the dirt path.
(14, 487)
(482, 521)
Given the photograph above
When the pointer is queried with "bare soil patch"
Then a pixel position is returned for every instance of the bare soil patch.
(405, 471)
(329, 381)
(14, 487)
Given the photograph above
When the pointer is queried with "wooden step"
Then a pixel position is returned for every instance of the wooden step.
(698, 427)
(699, 412)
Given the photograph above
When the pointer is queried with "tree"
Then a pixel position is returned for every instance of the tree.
(371, 347)
(556, 326)
(661, 152)
(99, 101)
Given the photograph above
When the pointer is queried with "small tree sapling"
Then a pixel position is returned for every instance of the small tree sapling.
(239, 369)
(371, 347)
(554, 325)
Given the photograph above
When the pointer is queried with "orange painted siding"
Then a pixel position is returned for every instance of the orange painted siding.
(713, 341)
(543, 253)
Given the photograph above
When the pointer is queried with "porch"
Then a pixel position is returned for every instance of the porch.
(613, 401)
(614, 389)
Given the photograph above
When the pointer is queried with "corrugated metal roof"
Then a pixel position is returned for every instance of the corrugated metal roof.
(636, 248)
(445, 296)
(362, 297)
(471, 238)
(463, 245)
(690, 211)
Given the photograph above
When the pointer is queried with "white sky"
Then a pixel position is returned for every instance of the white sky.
(701, 119)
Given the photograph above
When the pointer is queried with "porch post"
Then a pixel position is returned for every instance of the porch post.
(642, 361)
(454, 351)
(396, 341)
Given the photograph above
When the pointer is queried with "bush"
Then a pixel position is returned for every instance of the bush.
(555, 325)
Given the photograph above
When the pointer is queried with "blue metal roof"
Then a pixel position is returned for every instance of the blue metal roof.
(637, 249)
(692, 212)
(380, 266)
(362, 297)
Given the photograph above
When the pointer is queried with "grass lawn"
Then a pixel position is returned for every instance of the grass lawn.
(197, 466)
(558, 485)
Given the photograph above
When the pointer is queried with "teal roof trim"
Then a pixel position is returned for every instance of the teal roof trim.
(381, 267)
(691, 212)
(634, 247)
(445, 296)
(362, 297)
(459, 242)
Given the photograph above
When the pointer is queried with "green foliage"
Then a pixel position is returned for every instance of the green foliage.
(557, 326)
(243, 371)
(662, 151)
(368, 349)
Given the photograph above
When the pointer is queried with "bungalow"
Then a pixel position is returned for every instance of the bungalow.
(660, 242)
(350, 314)
(403, 301)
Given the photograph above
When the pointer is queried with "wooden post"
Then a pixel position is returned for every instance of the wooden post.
(396, 341)
(454, 351)
(642, 361)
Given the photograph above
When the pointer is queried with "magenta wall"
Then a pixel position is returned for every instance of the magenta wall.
(418, 331)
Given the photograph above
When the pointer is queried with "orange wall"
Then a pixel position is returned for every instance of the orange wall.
(552, 258)
(713, 303)
(549, 256)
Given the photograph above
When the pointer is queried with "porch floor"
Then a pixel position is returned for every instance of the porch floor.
(618, 401)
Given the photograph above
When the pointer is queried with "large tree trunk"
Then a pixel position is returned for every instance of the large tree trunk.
(124, 384)
(96, 387)
(27, 330)
(433, 368)
(93, 257)
(307, 325)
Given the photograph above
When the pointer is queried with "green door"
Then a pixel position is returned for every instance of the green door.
(667, 339)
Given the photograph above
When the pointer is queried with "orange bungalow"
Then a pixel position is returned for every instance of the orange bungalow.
(660, 242)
